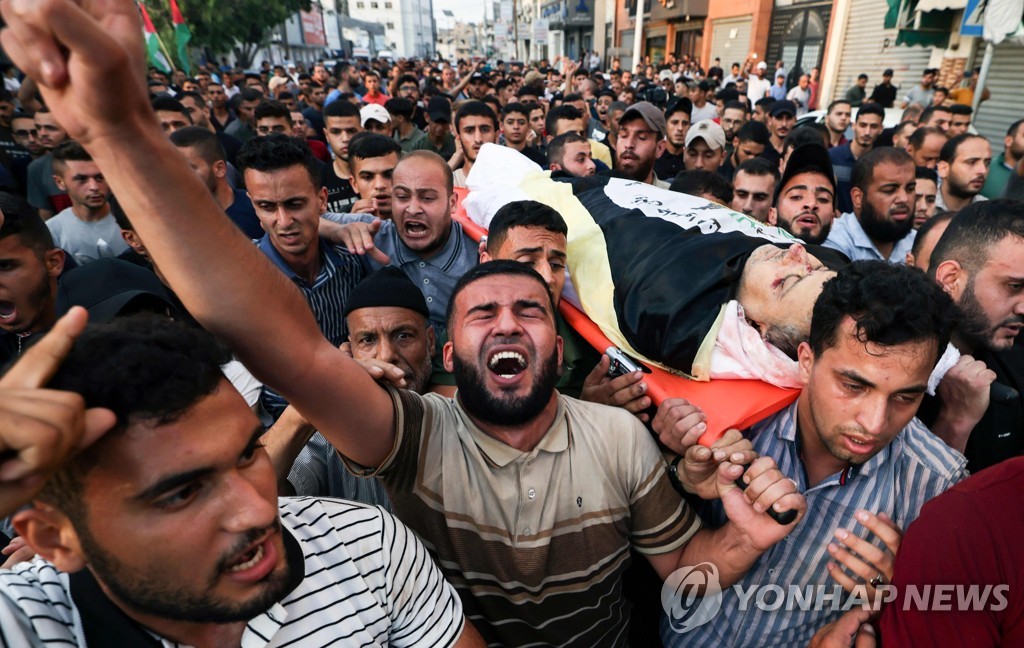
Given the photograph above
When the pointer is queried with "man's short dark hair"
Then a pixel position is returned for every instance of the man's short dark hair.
(765, 103)
(760, 166)
(528, 91)
(144, 368)
(572, 97)
(976, 230)
(516, 107)
(864, 169)
(565, 112)
(399, 107)
(170, 104)
(697, 182)
(952, 147)
(924, 173)
(862, 76)
(407, 78)
(556, 147)
(270, 108)
(754, 131)
(491, 269)
(960, 109)
(205, 143)
(70, 150)
(891, 304)
(917, 138)
(191, 95)
(1014, 127)
(871, 109)
(736, 104)
(341, 108)
(523, 213)
(836, 103)
(275, 152)
(927, 113)
(683, 105)
(806, 134)
(474, 109)
(367, 145)
(249, 94)
(22, 220)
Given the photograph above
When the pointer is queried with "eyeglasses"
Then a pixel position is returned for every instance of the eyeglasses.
(267, 130)
(408, 88)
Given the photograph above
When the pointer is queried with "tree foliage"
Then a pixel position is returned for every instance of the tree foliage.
(239, 26)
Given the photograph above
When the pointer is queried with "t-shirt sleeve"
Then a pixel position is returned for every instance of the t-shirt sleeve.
(661, 520)
(398, 470)
(935, 553)
(424, 608)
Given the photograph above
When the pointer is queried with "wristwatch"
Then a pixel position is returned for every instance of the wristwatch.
(673, 473)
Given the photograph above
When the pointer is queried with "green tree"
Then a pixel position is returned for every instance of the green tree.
(239, 26)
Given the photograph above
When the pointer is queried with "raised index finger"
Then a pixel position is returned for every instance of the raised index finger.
(39, 362)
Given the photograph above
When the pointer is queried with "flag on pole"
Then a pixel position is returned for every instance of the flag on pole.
(182, 36)
(156, 57)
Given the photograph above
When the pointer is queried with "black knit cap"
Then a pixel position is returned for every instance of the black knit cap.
(389, 287)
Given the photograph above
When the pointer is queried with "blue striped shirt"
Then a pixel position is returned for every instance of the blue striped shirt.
(915, 467)
(340, 271)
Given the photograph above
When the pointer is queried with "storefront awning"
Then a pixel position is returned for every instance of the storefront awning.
(921, 22)
(939, 5)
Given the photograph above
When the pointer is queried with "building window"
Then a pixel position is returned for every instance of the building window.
(387, 5)
(389, 25)
(373, 5)
(360, 5)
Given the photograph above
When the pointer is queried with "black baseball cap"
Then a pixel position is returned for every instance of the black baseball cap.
(805, 158)
(110, 287)
(439, 110)
(784, 106)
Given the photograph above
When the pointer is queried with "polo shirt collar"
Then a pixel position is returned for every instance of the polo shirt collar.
(443, 259)
(327, 253)
(555, 440)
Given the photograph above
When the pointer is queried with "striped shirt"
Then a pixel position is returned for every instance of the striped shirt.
(340, 271)
(367, 581)
(535, 542)
(435, 276)
(915, 467)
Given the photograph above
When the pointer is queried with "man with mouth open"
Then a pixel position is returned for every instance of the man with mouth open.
(884, 198)
(167, 529)
(851, 444)
(805, 198)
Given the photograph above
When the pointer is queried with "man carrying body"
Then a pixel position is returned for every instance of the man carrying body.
(570, 153)
(883, 195)
(963, 169)
(844, 157)
(851, 444)
(86, 230)
(978, 262)
(805, 200)
(205, 155)
(639, 142)
(500, 310)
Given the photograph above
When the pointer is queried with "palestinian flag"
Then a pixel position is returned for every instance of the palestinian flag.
(156, 56)
(182, 36)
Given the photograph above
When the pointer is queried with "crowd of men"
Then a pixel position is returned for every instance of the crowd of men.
(308, 408)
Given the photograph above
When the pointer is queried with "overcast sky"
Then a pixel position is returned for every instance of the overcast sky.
(464, 10)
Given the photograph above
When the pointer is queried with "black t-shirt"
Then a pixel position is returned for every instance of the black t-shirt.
(884, 95)
(340, 194)
(668, 166)
(999, 435)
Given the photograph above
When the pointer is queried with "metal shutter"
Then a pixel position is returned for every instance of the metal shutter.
(864, 52)
(1004, 106)
(730, 50)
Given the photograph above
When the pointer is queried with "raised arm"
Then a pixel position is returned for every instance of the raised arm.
(87, 57)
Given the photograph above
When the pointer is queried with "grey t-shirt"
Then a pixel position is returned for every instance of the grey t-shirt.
(86, 241)
(919, 95)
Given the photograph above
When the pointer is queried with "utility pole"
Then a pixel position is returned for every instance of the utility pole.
(638, 32)
(515, 27)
